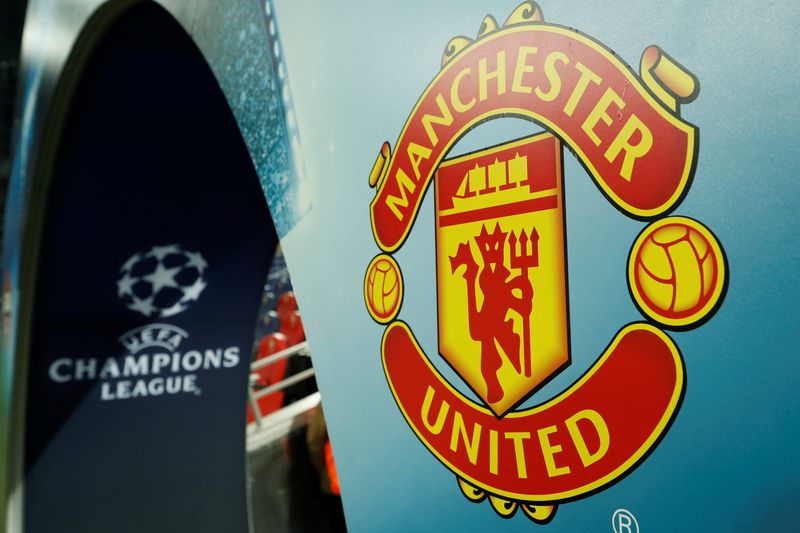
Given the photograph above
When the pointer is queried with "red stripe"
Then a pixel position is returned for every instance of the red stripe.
(500, 211)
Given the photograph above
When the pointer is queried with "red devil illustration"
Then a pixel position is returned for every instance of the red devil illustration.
(489, 325)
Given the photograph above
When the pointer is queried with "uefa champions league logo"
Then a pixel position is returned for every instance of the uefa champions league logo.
(158, 283)
(162, 281)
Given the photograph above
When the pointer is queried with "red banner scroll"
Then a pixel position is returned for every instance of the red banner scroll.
(639, 152)
(578, 442)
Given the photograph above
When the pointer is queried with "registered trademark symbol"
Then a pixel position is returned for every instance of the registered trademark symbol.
(623, 521)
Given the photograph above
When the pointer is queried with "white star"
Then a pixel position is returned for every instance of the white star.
(193, 292)
(131, 261)
(125, 285)
(174, 310)
(143, 306)
(196, 260)
(160, 252)
(162, 277)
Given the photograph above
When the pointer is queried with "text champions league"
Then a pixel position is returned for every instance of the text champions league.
(163, 370)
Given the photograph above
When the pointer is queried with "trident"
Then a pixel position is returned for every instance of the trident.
(523, 260)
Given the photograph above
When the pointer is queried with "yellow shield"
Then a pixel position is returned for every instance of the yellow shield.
(502, 295)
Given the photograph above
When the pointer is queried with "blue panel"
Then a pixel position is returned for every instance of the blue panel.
(725, 463)
(149, 283)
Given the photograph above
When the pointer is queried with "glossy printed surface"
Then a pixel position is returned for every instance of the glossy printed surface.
(724, 464)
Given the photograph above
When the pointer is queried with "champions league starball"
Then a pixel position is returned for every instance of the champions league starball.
(162, 281)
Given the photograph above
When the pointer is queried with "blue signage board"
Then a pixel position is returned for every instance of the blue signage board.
(153, 248)
(596, 340)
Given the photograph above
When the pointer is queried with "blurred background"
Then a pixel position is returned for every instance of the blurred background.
(12, 15)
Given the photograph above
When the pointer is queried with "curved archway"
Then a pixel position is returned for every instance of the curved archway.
(154, 243)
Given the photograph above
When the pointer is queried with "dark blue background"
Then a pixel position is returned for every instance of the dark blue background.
(150, 155)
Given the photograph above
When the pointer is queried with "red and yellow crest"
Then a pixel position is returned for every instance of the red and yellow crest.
(502, 301)
(501, 267)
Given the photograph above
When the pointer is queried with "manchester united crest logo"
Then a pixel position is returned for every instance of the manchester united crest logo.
(500, 267)
(501, 263)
